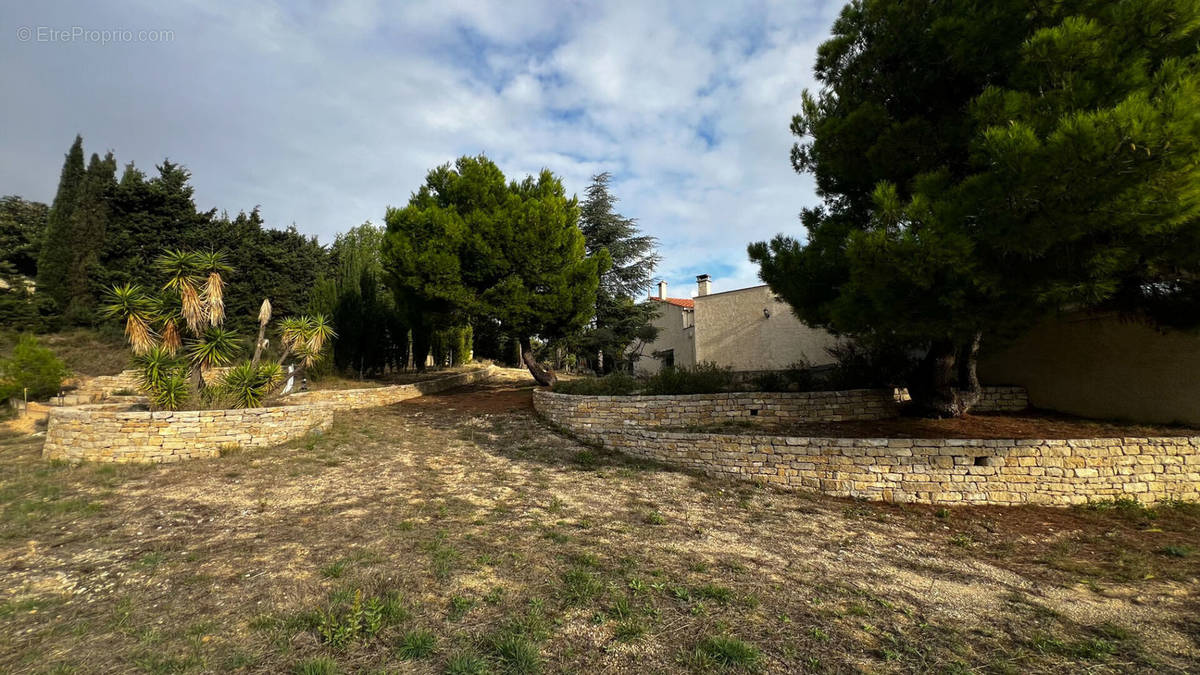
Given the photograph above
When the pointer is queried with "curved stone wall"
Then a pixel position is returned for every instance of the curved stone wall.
(605, 412)
(112, 433)
(100, 433)
(934, 471)
(374, 397)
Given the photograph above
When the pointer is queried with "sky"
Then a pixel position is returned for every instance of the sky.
(325, 114)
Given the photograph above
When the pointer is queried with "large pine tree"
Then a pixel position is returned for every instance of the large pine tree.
(54, 262)
(983, 165)
(470, 245)
(620, 319)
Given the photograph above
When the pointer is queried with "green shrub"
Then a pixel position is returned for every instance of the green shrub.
(246, 385)
(705, 378)
(616, 384)
(870, 366)
(31, 367)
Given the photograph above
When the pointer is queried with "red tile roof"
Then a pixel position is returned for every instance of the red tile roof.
(686, 303)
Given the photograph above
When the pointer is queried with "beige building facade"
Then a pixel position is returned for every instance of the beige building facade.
(1101, 366)
(746, 330)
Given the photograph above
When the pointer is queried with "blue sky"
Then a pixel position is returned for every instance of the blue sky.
(324, 114)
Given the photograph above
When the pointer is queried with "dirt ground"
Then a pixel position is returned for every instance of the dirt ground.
(453, 533)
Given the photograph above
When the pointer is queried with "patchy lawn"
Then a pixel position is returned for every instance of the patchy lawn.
(454, 534)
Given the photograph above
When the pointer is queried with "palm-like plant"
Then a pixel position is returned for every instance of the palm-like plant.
(161, 374)
(182, 269)
(172, 393)
(246, 384)
(212, 265)
(320, 332)
(215, 348)
(130, 301)
(194, 296)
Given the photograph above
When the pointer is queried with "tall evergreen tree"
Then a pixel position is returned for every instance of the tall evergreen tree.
(619, 318)
(88, 226)
(54, 262)
(22, 227)
(471, 245)
(984, 165)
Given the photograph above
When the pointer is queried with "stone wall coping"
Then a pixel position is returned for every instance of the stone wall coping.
(793, 395)
(907, 442)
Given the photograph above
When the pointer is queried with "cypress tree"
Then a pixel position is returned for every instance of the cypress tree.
(55, 258)
(89, 223)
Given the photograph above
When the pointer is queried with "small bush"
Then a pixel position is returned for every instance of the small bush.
(34, 367)
(705, 378)
(728, 652)
(416, 644)
(871, 366)
(800, 376)
(616, 384)
(517, 654)
(466, 663)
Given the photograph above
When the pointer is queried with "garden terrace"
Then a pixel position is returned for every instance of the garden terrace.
(1003, 471)
(113, 433)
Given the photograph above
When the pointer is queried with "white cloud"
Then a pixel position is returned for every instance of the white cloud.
(326, 114)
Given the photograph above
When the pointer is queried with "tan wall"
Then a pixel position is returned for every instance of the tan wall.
(939, 471)
(674, 332)
(101, 434)
(110, 433)
(733, 332)
(600, 413)
(1102, 367)
(935, 471)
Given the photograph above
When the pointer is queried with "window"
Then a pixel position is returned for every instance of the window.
(667, 356)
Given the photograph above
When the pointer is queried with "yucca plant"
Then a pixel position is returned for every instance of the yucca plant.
(246, 384)
(192, 301)
(160, 376)
(171, 394)
(129, 301)
(214, 348)
(212, 265)
(183, 277)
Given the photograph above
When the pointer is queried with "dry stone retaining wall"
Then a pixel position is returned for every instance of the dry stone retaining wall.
(100, 433)
(935, 471)
(112, 433)
(374, 397)
(603, 412)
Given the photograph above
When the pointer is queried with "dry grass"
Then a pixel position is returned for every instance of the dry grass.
(453, 533)
(86, 352)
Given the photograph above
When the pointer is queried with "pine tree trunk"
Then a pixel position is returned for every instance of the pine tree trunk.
(543, 375)
(945, 383)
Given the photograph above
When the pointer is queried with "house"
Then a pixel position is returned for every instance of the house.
(746, 330)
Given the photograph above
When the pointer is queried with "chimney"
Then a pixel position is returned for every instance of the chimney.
(662, 290)
(703, 284)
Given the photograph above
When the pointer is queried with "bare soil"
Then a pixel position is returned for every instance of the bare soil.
(520, 550)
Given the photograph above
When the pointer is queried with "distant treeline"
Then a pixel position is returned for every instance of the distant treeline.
(102, 230)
